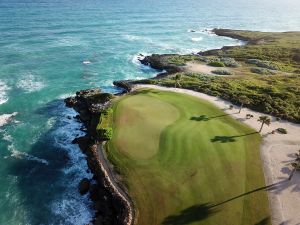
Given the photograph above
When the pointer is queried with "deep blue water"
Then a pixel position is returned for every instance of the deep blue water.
(43, 45)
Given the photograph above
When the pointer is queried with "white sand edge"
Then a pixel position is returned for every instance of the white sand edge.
(277, 151)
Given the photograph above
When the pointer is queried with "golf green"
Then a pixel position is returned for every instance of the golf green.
(184, 161)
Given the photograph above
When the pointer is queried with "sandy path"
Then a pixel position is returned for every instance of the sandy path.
(199, 68)
(277, 151)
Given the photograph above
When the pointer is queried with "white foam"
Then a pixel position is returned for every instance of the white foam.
(197, 39)
(3, 92)
(86, 62)
(130, 37)
(72, 211)
(6, 118)
(30, 83)
(67, 95)
(23, 155)
(73, 208)
(136, 58)
(7, 137)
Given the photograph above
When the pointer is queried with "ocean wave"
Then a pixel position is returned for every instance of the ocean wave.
(67, 95)
(72, 211)
(197, 39)
(149, 41)
(6, 118)
(30, 83)
(72, 208)
(130, 37)
(23, 155)
(137, 57)
(3, 92)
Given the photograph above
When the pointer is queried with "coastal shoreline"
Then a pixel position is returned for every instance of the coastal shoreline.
(275, 149)
(111, 202)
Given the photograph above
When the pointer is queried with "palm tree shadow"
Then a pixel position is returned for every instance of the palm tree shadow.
(264, 221)
(200, 118)
(192, 214)
(226, 139)
(207, 118)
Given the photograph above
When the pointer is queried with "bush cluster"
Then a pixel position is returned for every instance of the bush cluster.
(263, 64)
(262, 71)
(216, 64)
(104, 127)
(221, 72)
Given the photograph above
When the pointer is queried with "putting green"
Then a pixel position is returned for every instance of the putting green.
(186, 162)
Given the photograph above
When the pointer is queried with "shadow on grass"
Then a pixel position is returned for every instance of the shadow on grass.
(192, 214)
(226, 139)
(207, 118)
(264, 221)
(201, 212)
(271, 188)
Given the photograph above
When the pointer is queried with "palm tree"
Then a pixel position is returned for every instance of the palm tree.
(244, 100)
(295, 165)
(177, 80)
(264, 120)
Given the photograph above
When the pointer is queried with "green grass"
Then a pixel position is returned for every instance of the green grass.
(278, 95)
(185, 162)
(104, 129)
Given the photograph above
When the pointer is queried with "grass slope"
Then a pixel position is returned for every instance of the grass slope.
(206, 167)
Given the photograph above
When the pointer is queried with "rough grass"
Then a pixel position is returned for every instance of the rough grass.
(206, 169)
(281, 49)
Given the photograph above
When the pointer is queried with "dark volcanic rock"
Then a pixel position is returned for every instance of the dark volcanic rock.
(84, 186)
(123, 84)
(159, 62)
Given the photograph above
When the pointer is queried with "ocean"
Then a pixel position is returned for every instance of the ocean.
(51, 49)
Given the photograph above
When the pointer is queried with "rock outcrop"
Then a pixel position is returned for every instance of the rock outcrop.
(111, 206)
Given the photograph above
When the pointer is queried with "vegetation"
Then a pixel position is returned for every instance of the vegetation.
(295, 165)
(279, 48)
(244, 101)
(104, 127)
(216, 64)
(221, 72)
(191, 164)
(282, 130)
(262, 71)
(276, 95)
(263, 64)
(264, 120)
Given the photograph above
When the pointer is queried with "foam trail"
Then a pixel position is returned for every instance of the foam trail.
(3, 95)
(30, 83)
(23, 155)
(198, 39)
(6, 118)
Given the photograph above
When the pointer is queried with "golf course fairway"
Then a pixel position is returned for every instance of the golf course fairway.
(184, 161)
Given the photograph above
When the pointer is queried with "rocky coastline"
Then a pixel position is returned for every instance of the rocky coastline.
(111, 203)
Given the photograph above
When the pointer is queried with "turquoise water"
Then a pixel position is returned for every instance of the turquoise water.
(43, 45)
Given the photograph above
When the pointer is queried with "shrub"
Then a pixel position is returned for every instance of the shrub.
(104, 129)
(263, 64)
(216, 64)
(230, 62)
(282, 130)
(221, 72)
(105, 134)
(249, 116)
(262, 71)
